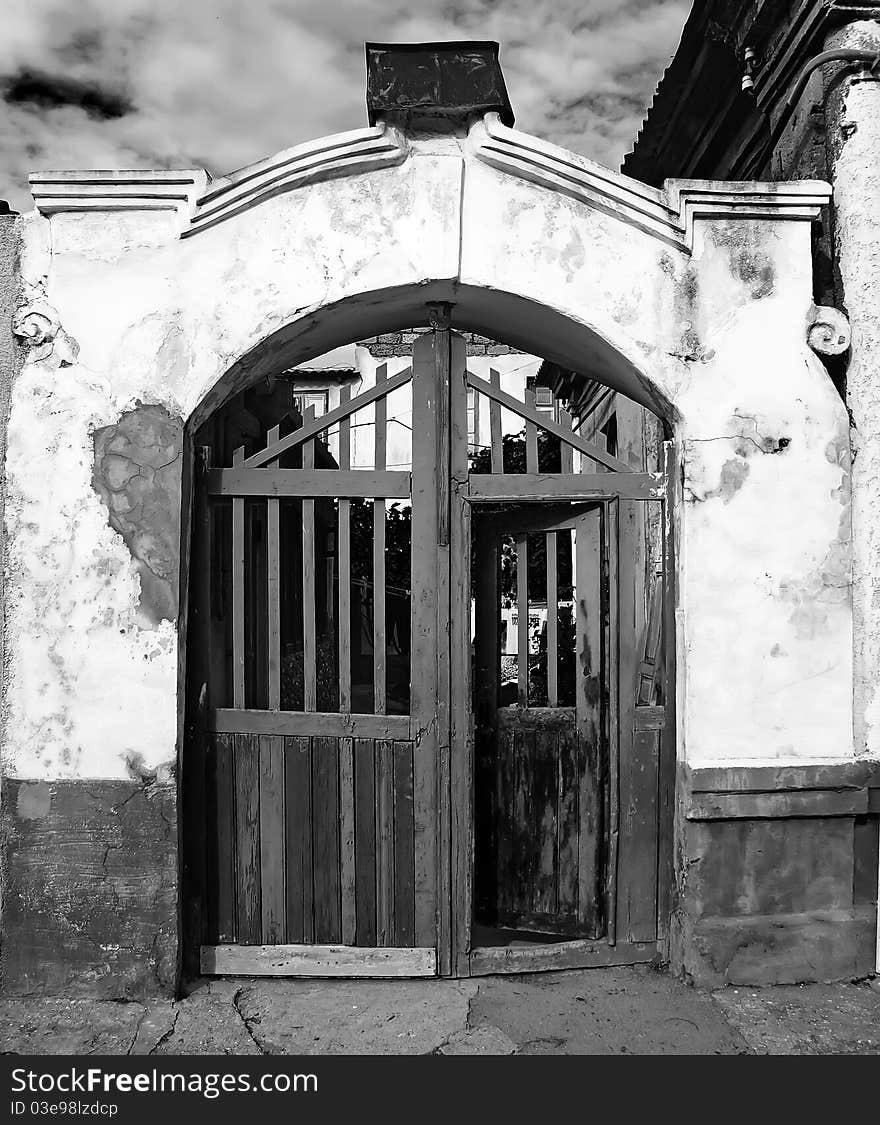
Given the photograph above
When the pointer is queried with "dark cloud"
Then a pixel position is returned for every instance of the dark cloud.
(221, 83)
(51, 91)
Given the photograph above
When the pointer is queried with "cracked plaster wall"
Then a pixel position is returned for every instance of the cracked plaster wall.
(854, 140)
(717, 339)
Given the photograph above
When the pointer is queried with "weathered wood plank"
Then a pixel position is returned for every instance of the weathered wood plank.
(344, 566)
(540, 958)
(384, 843)
(545, 797)
(484, 487)
(589, 678)
(224, 819)
(380, 654)
(566, 452)
(536, 718)
(347, 885)
(365, 841)
(531, 432)
(313, 483)
(325, 839)
(314, 426)
(317, 961)
(522, 610)
(568, 823)
(327, 723)
(404, 846)
(272, 843)
(545, 423)
(495, 435)
(612, 648)
(247, 839)
(298, 801)
(238, 549)
(273, 589)
(423, 631)
(310, 689)
(552, 621)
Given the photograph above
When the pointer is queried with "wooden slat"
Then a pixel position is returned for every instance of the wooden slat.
(545, 795)
(496, 437)
(461, 699)
(272, 849)
(325, 839)
(316, 961)
(588, 703)
(667, 767)
(298, 802)
(566, 452)
(559, 486)
(347, 886)
(384, 843)
(273, 560)
(552, 621)
(531, 433)
(247, 839)
(613, 673)
(639, 758)
(230, 721)
(379, 646)
(538, 958)
(238, 593)
(404, 846)
(310, 658)
(568, 822)
(344, 566)
(546, 423)
(311, 428)
(423, 631)
(535, 718)
(522, 609)
(365, 841)
(308, 482)
(224, 881)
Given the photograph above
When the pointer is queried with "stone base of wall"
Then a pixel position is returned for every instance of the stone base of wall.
(777, 875)
(90, 880)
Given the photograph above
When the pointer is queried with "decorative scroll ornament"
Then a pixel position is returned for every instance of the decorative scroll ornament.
(828, 331)
(38, 326)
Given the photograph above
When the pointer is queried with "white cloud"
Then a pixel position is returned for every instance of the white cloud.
(220, 83)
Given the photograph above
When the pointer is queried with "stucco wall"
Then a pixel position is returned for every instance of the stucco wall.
(714, 337)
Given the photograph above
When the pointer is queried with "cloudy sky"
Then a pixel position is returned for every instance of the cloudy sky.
(220, 83)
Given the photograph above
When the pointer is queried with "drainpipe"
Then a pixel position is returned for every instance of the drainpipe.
(853, 139)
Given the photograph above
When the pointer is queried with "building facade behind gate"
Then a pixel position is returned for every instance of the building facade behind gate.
(245, 730)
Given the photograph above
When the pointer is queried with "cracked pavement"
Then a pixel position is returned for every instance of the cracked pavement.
(635, 1010)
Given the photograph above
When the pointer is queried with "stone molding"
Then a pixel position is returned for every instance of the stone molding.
(828, 331)
(669, 214)
(342, 154)
(143, 190)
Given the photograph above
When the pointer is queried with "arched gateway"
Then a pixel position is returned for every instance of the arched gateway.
(394, 788)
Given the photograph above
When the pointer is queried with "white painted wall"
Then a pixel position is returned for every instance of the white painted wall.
(764, 618)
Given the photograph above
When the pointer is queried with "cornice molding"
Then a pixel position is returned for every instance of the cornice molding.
(200, 202)
(668, 215)
(101, 190)
(342, 154)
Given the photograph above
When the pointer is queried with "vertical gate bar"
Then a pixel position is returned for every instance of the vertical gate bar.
(273, 556)
(379, 655)
(666, 796)
(612, 722)
(238, 592)
(384, 843)
(531, 435)
(589, 707)
(522, 610)
(495, 435)
(442, 344)
(344, 566)
(566, 452)
(461, 745)
(423, 631)
(272, 842)
(552, 622)
(310, 656)
(346, 840)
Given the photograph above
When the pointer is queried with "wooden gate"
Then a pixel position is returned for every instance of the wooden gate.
(319, 778)
(350, 730)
